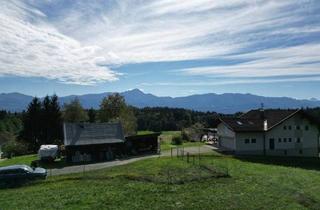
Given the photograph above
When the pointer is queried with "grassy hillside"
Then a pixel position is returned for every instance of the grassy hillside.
(137, 186)
(25, 159)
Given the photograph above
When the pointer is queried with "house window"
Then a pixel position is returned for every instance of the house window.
(289, 139)
(246, 141)
(285, 127)
(285, 152)
(289, 127)
(279, 140)
(284, 139)
(306, 128)
(300, 152)
(253, 141)
(298, 140)
(298, 127)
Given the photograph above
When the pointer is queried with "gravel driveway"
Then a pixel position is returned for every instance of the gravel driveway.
(96, 166)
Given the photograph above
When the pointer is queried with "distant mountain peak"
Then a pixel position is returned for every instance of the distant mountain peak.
(222, 103)
(313, 99)
(135, 90)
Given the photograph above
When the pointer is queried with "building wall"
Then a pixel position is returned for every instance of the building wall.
(286, 137)
(226, 137)
(249, 143)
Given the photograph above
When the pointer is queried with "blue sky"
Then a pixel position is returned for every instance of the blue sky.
(164, 47)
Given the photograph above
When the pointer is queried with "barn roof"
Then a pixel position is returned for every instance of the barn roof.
(76, 134)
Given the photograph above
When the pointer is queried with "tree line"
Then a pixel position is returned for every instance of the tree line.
(42, 122)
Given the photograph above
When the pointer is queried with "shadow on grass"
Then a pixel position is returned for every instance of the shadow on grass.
(308, 163)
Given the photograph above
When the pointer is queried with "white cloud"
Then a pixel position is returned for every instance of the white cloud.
(39, 50)
(290, 61)
(74, 41)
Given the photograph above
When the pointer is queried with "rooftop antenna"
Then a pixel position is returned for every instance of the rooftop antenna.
(262, 111)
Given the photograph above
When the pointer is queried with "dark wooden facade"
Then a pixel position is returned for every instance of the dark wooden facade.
(142, 144)
(95, 152)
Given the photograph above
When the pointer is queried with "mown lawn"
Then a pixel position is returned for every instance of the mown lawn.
(250, 186)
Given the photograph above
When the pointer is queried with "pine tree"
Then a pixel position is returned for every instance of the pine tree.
(92, 115)
(31, 132)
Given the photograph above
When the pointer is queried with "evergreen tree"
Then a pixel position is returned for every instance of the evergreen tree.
(55, 132)
(92, 115)
(45, 121)
(31, 132)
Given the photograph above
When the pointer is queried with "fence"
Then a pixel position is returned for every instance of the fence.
(190, 157)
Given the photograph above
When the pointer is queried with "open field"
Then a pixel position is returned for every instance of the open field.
(253, 184)
(166, 137)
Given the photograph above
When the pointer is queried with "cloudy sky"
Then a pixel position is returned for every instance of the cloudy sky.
(164, 47)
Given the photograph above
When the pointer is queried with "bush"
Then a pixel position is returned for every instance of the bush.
(176, 140)
(14, 148)
(185, 135)
(192, 133)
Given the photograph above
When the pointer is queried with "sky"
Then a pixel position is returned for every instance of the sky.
(163, 47)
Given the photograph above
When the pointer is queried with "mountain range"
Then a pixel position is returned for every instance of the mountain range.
(221, 103)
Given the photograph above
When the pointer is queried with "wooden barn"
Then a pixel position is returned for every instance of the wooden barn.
(86, 142)
(94, 142)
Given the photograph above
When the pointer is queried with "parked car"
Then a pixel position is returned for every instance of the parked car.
(17, 173)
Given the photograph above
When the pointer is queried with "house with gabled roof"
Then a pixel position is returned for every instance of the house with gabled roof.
(275, 132)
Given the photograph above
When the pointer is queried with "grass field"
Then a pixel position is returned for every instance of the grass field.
(25, 159)
(253, 184)
(166, 137)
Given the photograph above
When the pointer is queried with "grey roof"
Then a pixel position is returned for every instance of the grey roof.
(253, 120)
(273, 116)
(92, 133)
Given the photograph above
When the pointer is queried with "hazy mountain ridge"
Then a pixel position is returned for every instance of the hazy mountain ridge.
(223, 103)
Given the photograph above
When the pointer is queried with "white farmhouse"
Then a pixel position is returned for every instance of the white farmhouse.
(270, 132)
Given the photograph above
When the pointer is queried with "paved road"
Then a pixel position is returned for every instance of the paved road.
(96, 166)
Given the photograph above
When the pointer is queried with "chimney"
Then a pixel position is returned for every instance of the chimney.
(263, 117)
(265, 125)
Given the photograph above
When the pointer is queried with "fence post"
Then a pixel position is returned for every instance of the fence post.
(171, 151)
(84, 168)
(177, 148)
(182, 153)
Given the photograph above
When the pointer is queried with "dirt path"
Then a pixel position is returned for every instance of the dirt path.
(96, 166)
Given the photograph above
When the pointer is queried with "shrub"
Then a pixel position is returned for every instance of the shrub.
(176, 140)
(185, 135)
(14, 148)
(192, 133)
